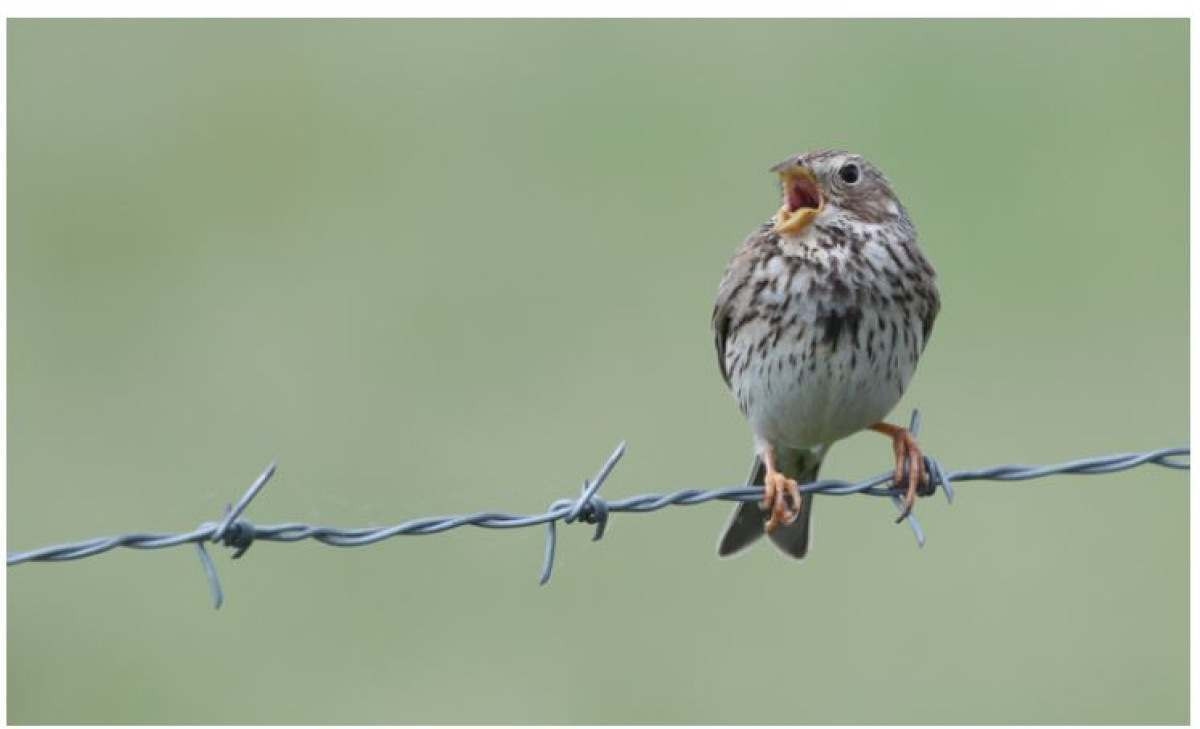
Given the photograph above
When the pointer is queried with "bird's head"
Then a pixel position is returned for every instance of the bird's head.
(832, 184)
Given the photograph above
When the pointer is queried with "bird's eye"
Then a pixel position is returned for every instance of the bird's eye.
(849, 173)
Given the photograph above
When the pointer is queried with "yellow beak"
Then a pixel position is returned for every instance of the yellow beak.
(802, 200)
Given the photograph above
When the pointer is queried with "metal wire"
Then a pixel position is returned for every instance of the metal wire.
(237, 533)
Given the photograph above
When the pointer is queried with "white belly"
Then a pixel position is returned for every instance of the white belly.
(801, 393)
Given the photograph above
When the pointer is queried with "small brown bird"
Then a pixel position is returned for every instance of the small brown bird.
(819, 322)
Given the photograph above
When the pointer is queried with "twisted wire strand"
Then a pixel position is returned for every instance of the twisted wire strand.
(238, 534)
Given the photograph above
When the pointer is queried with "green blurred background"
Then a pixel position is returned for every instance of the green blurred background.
(436, 267)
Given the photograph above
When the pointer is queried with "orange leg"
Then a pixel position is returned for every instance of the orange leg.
(910, 463)
(778, 490)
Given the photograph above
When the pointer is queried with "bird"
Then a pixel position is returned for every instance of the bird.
(819, 321)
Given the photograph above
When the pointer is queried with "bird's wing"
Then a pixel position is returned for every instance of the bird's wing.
(927, 292)
(933, 305)
(720, 325)
(729, 294)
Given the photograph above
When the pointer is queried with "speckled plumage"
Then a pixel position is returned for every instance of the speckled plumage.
(818, 332)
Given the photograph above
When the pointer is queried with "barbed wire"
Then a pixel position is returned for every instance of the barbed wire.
(237, 533)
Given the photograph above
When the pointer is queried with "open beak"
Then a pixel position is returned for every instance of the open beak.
(802, 199)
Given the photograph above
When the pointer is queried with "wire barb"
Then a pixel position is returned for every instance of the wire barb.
(238, 534)
(588, 508)
(230, 532)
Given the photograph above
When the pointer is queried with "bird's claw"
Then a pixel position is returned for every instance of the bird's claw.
(906, 508)
(778, 490)
(911, 474)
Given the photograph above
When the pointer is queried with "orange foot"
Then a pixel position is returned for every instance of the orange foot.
(778, 490)
(910, 472)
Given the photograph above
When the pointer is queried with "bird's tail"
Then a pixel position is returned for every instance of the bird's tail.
(749, 519)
